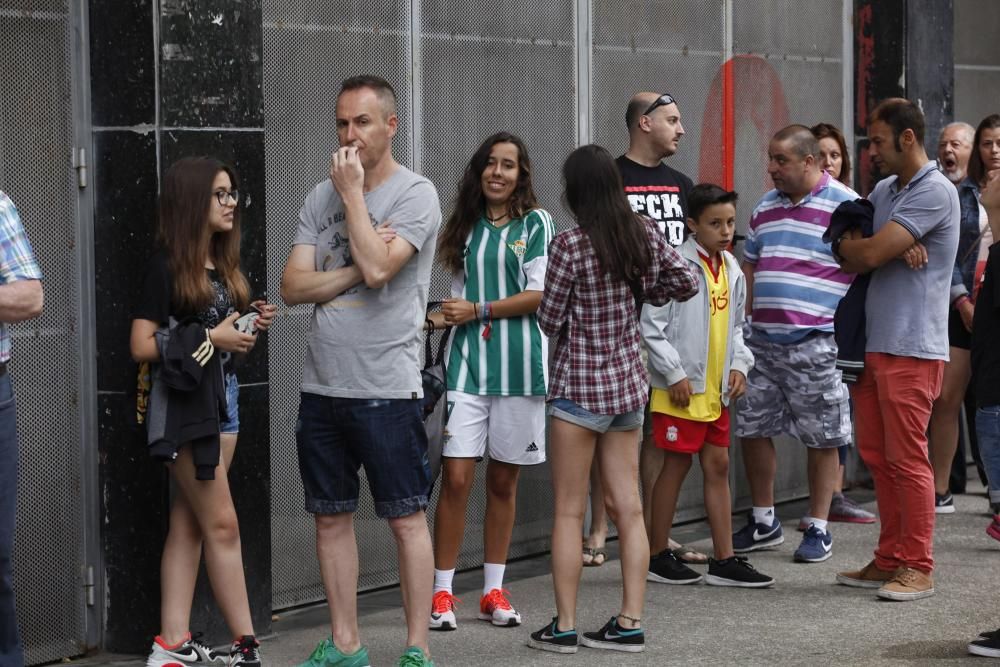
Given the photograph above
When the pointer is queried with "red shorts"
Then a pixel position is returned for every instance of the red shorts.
(684, 436)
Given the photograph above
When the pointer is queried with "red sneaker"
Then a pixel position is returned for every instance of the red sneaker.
(443, 611)
(495, 608)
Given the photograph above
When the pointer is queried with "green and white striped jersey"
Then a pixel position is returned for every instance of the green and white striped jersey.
(501, 262)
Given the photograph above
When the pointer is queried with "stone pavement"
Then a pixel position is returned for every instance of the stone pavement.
(805, 619)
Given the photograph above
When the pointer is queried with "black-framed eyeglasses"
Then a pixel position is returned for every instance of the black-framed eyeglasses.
(661, 101)
(223, 196)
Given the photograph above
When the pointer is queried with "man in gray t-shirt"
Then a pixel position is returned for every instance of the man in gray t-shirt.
(363, 254)
(910, 257)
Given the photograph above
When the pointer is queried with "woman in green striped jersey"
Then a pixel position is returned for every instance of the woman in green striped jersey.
(495, 245)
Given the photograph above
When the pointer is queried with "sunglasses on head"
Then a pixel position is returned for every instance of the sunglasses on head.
(661, 101)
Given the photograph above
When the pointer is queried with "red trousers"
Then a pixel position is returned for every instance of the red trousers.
(892, 404)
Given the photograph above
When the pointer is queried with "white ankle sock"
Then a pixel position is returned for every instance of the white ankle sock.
(442, 579)
(819, 523)
(493, 576)
(764, 515)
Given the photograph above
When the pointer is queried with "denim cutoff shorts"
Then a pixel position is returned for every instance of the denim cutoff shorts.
(568, 411)
(336, 436)
(231, 424)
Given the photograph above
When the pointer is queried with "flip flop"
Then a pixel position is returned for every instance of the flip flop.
(689, 555)
(597, 557)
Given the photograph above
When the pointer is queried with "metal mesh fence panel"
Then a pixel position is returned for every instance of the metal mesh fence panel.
(666, 47)
(499, 67)
(309, 48)
(791, 67)
(788, 66)
(36, 137)
(977, 61)
(519, 55)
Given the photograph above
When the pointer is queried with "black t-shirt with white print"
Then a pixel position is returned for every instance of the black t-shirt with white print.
(659, 193)
(156, 302)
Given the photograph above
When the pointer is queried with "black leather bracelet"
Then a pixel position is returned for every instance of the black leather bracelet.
(430, 325)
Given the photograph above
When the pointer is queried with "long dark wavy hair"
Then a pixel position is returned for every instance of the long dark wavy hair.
(470, 202)
(596, 197)
(977, 170)
(828, 131)
(186, 198)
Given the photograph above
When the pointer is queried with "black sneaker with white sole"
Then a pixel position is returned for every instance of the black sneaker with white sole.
(944, 504)
(613, 637)
(666, 568)
(735, 571)
(988, 645)
(550, 638)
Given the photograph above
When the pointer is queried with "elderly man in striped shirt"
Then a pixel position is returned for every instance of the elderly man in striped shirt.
(795, 387)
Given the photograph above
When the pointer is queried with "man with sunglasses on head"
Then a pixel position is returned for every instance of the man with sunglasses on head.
(653, 188)
(660, 192)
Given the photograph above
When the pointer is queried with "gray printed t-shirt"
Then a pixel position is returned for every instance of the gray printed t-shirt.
(366, 342)
(907, 310)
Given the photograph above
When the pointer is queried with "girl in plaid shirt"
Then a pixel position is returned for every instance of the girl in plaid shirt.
(598, 273)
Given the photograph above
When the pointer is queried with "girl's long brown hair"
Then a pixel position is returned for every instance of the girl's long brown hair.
(596, 197)
(186, 197)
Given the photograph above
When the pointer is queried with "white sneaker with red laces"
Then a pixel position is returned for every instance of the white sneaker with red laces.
(443, 611)
(495, 608)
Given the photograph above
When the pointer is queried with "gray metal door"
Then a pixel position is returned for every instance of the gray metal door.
(38, 125)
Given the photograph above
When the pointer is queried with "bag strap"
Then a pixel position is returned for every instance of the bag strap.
(430, 359)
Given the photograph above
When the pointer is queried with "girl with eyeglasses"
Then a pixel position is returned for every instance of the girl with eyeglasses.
(194, 284)
(598, 276)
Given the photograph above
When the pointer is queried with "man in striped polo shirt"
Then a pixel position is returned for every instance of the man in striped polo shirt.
(794, 387)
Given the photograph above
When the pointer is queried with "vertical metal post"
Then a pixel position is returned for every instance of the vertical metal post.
(847, 74)
(416, 71)
(87, 318)
(584, 69)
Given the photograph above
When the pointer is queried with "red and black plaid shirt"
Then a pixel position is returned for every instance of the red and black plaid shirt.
(592, 318)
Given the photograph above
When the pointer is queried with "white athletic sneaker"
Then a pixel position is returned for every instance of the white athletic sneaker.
(443, 611)
(189, 652)
(495, 608)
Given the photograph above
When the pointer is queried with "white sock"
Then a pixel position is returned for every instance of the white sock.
(493, 576)
(819, 523)
(442, 579)
(764, 515)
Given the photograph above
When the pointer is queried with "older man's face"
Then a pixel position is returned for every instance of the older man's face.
(954, 150)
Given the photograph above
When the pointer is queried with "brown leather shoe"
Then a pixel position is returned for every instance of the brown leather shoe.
(907, 584)
(869, 576)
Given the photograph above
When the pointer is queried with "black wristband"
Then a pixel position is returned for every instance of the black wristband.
(430, 324)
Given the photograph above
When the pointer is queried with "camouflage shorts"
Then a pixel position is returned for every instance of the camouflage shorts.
(795, 389)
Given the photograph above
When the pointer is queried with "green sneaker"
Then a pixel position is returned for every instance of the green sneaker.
(327, 655)
(414, 656)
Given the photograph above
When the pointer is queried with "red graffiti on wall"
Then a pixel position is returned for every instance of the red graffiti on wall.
(745, 90)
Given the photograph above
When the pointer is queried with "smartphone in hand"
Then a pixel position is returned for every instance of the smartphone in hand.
(248, 323)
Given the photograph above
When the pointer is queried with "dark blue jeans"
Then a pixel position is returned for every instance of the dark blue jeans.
(11, 654)
(988, 432)
(336, 436)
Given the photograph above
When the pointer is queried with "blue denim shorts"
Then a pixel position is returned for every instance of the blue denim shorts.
(231, 424)
(336, 436)
(568, 411)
